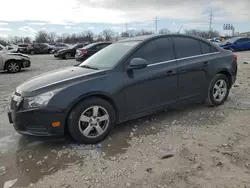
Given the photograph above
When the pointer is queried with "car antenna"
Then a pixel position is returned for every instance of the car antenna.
(180, 28)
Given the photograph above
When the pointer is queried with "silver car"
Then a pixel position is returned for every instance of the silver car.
(13, 62)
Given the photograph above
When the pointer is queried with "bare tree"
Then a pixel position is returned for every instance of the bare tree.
(144, 32)
(89, 35)
(52, 37)
(124, 34)
(107, 34)
(99, 38)
(164, 31)
(204, 34)
(42, 37)
(3, 42)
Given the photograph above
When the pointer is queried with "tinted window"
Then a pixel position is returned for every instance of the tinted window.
(186, 47)
(243, 40)
(101, 46)
(206, 48)
(109, 56)
(22, 45)
(157, 50)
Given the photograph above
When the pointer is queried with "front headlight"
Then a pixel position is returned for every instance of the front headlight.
(38, 101)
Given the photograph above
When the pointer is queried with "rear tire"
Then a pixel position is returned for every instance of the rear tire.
(13, 66)
(218, 91)
(67, 56)
(50, 51)
(91, 121)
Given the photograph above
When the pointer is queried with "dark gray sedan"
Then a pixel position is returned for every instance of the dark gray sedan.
(126, 80)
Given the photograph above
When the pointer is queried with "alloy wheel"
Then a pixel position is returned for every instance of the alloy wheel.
(220, 90)
(94, 121)
(67, 56)
(13, 67)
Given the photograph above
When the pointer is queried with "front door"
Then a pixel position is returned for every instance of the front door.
(156, 85)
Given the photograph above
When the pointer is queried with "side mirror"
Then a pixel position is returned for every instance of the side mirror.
(138, 63)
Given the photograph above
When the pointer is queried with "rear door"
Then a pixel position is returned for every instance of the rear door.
(36, 48)
(192, 67)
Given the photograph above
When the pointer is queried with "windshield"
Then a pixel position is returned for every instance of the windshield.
(109, 56)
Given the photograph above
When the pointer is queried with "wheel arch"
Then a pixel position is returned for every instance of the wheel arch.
(228, 74)
(11, 60)
(101, 95)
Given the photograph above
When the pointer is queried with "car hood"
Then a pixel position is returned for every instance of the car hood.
(63, 50)
(56, 79)
(17, 54)
(225, 44)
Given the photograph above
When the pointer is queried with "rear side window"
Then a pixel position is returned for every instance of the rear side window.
(206, 48)
(186, 47)
(244, 40)
(157, 50)
(22, 45)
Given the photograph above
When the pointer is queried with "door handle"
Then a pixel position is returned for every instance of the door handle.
(169, 73)
(206, 64)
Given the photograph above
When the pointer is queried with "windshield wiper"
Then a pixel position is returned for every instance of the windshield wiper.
(89, 67)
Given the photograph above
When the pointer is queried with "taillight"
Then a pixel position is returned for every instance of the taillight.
(235, 57)
(84, 51)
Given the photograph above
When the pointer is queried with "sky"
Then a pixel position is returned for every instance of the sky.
(26, 17)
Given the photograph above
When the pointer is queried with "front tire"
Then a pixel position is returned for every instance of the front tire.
(218, 90)
(13, 66)
(91, 121)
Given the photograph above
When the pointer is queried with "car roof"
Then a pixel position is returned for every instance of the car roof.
(149, 37)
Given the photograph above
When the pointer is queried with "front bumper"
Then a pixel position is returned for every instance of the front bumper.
(58, 55)
(26, 63)
(38, 122)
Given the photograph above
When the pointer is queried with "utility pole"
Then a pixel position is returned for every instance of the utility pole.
(156, 20)
(210, 22)
(126, 27)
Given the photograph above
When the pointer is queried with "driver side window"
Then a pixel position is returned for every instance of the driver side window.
(156, 51)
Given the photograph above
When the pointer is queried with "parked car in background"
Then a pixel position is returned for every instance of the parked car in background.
(89, 50)
(40, 48)
(24, 48)
(9, 48)
(60, 46)
(236, 44)
(2, 47)
(12, 48)
(70, 52)
(125, 80)
(13, 62)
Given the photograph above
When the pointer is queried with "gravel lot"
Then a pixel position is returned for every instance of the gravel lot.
(191, 147)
